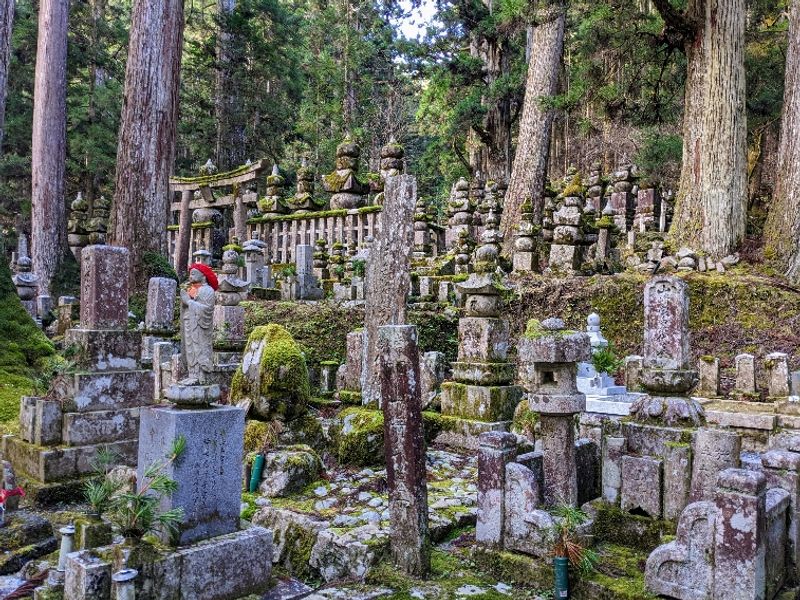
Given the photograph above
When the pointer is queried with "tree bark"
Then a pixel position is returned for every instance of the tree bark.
(181, 258)
(228, 106)
(782, 229)
(146, 146)
(533, 145)
(6, 25)
(711, 204)
(49, 142)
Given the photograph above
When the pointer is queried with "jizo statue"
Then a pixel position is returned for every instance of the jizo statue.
(197, 314)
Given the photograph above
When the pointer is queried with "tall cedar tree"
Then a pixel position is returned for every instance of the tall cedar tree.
(146, 149)
(6, 25)
(49, 142)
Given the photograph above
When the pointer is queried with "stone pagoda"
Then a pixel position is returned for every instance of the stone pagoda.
(347, 189)
(303, 200)
(460, 210)
(96, 404)
(482, 395)
(273, 203)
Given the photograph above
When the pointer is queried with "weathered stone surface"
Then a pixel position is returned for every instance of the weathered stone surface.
(776, 542)
(684, 568)
(669, 410)
(633, 373)
(433, 371)
(554, 346)
(97, 427)
(613, 451)
(651, 440)
(714, 451)
(496, 451)
(398, 361)
(85, 392)
(558, 449)
(86, 577)
(388, 279)
(107, 350)
(725, 418)
(495, 403)
(677, 479)
(47, 430)
(666, 315)
(289, 470)
(27, 418)
(231, 566)
(641, 485)
(349, 375)
(160, 312)
(740, 537)
(588, 470)
(708, 370)
(104, 287)
(782, 470)
(209, 474)
(482, 339)
(523, 496)
(777, 368)
(745, 373)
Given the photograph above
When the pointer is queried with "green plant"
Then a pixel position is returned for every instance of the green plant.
(156, 265)
(289, 271)
(100, 489)
(567, 541)
(136, 514)
(605, 360)
(359, 267)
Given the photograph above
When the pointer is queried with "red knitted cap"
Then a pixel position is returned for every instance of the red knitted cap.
(211, 277)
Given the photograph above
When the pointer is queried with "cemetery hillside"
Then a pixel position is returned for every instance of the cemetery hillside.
(402, 299)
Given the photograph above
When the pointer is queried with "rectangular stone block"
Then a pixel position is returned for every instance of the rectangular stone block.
(714, 451)
(745, 420)
(496, 451)
(523, 495)
(495, 403)
(633, 373)
(27, 418)
(677, 479)
(641, 485)
(481, 373)
(96, 427)
(86, 577)
(609, 406)
(48, 422)
(160, 312)
(587, 467)
(524, 262)
(232, 566)
(651, 440)
(666, 327)
(612, 452)
(464, 433)
(86, 392)
(482, 339)
(104, 350)
(104, 287)
(777, 367)
(209, 474)
(708, 369)
(745, 373)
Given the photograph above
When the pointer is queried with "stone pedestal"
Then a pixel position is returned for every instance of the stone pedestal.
(209, 474)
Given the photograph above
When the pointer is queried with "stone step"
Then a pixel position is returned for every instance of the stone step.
(104, 349)
(61, 463)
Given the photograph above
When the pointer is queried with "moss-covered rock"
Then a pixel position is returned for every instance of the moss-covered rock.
(273, 375)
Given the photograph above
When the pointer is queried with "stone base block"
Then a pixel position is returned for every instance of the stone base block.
(84, 392)
(101, 426)
(524, 261)
(209, 474)
(193, 395)
(480, 403)
(60, 463)
(609, 405)
(641, 485)
(222, 568)
(481, 373)
(464, 433)
(652, 440)
(104, 349)
(229, 326)
(40, 421)
(557, 404)
(482, 339)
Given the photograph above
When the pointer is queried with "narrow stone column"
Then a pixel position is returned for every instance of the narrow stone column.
(404, 443)
(740, 538)
(497, 449)
(782, 470)
(708, 368)
(714, 451)
(181, 259)
(557, 433)
(777, 368)
(745, 373)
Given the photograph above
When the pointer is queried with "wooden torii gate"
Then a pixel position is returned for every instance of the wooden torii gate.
(206, 185)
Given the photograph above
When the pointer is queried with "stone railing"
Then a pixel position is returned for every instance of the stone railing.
(282, 233)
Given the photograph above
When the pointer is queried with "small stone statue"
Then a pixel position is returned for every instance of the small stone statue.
(197, 314)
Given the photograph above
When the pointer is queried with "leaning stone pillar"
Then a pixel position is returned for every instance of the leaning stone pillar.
(181, 259)
(782, 470)
(398, 359)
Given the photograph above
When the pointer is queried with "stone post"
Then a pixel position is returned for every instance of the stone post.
(159, 317)
(181, 259)
(404, 443)
(388, 275)
(548, 355)
(740, 550)
(714, 451)
(307, 284)
(497, 449)
(782, 470)
(124, 582)
(104, 287)
(745, 373)
(708, 369)
(633, 373)
(777, 368)
(67, 537)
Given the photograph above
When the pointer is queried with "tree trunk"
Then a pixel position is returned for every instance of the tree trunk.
(228, 106)
(782, 229)
(146, 146)
(530, 163)
(181, 258)
(710, 209)
(6, 25)
(49, 142)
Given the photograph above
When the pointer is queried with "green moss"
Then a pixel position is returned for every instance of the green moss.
(204, 180)
(259, 435)
(202, 225)
(619, 575)
(157, 265)
(24, 349)
(283, 386)
(617, 527)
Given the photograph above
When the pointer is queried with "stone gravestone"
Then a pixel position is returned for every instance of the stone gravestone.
(160, 313)
(388, 281)
(398, 359)
(104, 287)
(307, 283)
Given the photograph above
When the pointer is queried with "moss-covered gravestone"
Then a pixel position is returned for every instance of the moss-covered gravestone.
(273, 376)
